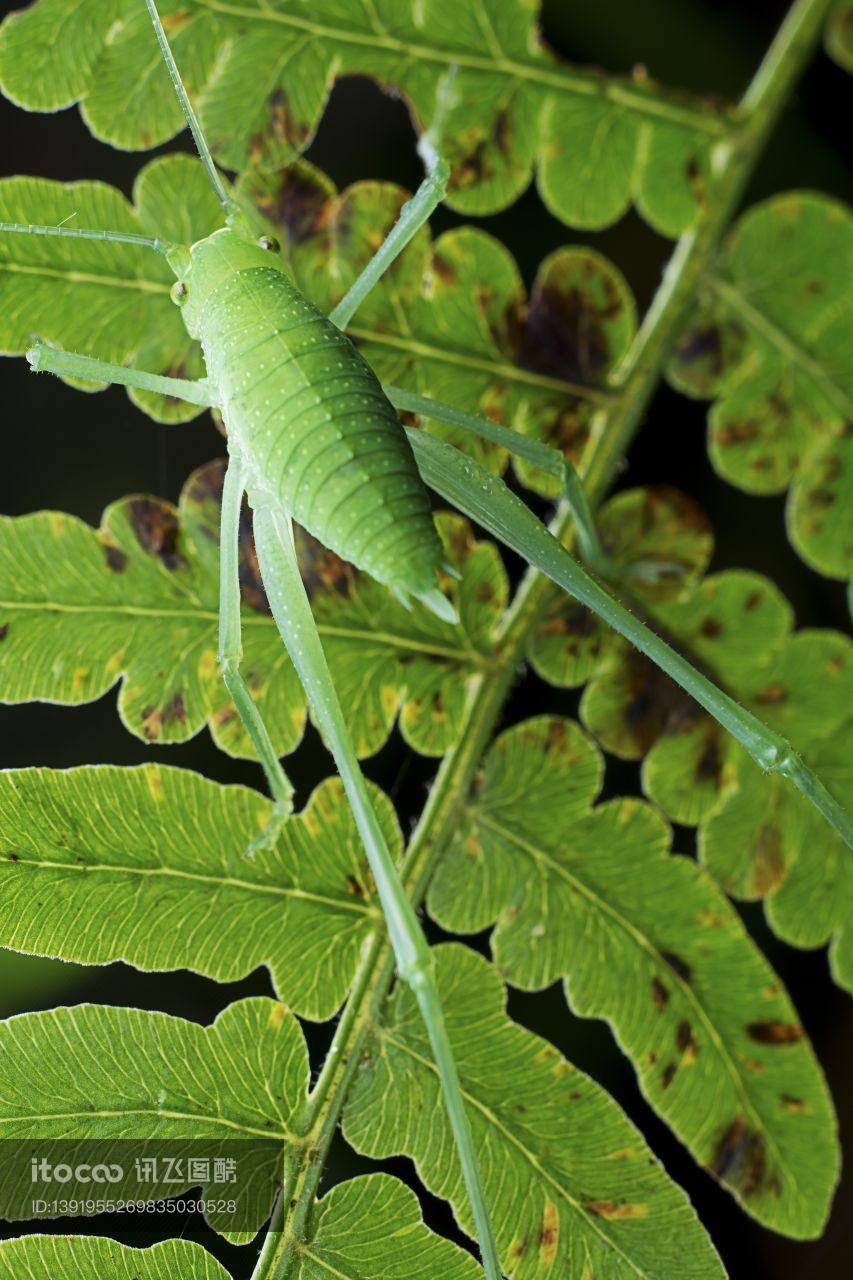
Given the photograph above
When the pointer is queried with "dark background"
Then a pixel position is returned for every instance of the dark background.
(78, 453)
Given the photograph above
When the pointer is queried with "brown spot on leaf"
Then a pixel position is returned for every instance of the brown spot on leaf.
(439, 711)
(668, 1075)
(322, 570)
(472, 846)
(702, 344)
(502, 132)
(739, 1158)
(733, 433)
(772, 694)
(156, 527)
(709, 765)
(116, 558)
(616, 1210)
(354, 887)
(174, 710)
(152, 722)
(4, 630)
(571, 620)
(205, 487)
(768, 861)
(752, 601)
(173, 22)
(686, 1042)
(695, 179)
(660, 995)
(565, 333)
(655, 704)
(284, 125)
(298, 205)
(548, 1235)
(445, 270)
(251, 583)
(774, 1032)
(794, 1104)
(711, 628)
(473, 166)
(679, 966)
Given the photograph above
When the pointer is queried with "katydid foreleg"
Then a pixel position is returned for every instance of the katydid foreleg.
(47, 359)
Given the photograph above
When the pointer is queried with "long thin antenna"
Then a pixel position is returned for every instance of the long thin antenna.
(82, 233)
(186, 106)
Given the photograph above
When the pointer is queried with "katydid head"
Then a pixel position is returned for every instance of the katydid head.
(202, 267)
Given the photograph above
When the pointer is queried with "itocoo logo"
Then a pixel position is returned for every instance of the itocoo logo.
(43, 1171)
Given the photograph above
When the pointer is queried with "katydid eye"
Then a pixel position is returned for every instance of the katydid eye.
(179, 293)
(270, 244)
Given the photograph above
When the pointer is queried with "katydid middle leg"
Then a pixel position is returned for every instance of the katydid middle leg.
(549, 460)
(231, 652)
(291, 609)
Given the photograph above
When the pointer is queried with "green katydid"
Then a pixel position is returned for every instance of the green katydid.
(313, 436)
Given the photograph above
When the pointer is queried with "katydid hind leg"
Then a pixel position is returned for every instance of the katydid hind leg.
(291, 609)
(231, 652)
(546, 457)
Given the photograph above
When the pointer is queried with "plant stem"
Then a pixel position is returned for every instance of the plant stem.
(612, 431)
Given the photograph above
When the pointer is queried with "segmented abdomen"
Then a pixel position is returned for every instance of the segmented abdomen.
(320, 439)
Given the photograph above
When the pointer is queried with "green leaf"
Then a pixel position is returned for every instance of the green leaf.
(372, 1226)
(368, 1222)
(149, 865)
(451, 319)
(138, 600)
(105, 1071)
(647, 941)
(261, 75)
(839, 34)
(102, 299)
(786, 853)
(42, 1257)
(758, 837)
(572, 1186)
(116, 1076)
(772, 345)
